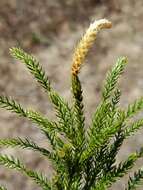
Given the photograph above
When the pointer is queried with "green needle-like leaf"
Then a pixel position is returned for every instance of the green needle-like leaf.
(112, 77)
(119, 171)
(24, 144)
(33, 66)
(79, 117)
(48, 127)
(62, 108)
(136, 180)
(133, 127)
(13, 163)
(134, 108)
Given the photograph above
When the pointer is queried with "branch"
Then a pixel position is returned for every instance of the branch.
(13, 163)
(136, 180)
(112, 77)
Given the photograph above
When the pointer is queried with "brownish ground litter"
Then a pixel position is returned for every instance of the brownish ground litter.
(50, 29)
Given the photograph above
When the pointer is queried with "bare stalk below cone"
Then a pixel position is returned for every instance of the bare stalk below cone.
(86, 43)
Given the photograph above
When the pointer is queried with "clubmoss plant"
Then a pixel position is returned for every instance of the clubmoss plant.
(84, 158)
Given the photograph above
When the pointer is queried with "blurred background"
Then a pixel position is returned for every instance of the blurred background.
(50, 29)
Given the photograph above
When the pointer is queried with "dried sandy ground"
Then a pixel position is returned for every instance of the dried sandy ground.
(124, 39)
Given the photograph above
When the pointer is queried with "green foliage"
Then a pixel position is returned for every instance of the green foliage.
(83, 158)
(134, 108)
(112, 77)
(118, 171)
(24, 144)
(33, 65)
(78, 110)
(136, 180)
(14, 163)
(2, 188)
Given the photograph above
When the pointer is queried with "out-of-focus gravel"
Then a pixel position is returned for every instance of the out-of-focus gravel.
(124, 39)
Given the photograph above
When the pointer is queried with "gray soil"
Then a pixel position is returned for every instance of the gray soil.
(60, 26)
